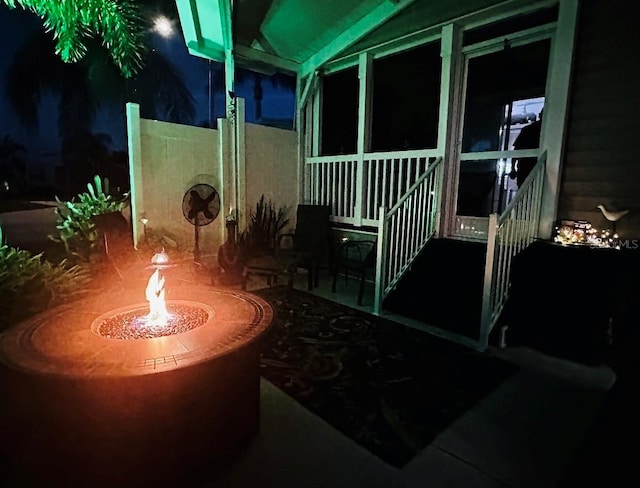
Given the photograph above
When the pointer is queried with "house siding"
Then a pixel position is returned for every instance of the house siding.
(602, 155)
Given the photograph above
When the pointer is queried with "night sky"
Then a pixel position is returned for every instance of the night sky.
(43, 145)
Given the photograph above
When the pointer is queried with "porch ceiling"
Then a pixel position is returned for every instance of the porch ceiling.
(300, 36)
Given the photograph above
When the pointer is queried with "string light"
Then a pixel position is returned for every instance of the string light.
(582, 233)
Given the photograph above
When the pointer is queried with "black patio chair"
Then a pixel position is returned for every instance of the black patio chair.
(356, 256)
(307, 247)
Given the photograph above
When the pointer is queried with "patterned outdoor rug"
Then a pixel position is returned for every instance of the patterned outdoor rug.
(390, 388)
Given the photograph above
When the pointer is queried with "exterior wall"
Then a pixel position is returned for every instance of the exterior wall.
(174, 157)
(601, 164)
(271, 167)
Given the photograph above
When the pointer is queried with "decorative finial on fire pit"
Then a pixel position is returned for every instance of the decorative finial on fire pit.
(160, 260)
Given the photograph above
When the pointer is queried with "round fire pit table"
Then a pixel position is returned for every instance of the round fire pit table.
(91, 400)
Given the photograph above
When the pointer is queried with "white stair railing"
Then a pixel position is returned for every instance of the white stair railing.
(508, 235)
(333, 181)
(405, 229)
(357, 185)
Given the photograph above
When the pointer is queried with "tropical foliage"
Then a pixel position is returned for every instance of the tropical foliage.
(77, 229)
(29, 284)
(265, 223)
(74, 23)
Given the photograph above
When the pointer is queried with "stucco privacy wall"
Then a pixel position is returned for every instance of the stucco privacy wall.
(165, 160)
(271, 167)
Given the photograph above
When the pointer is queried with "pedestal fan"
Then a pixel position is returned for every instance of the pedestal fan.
(200, 206)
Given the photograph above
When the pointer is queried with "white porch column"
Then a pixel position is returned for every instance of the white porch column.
(301, 133)
(231, 113)
(316, 118)
(556, 111)
(365, 76)
(451, 90)
(308, 125)
(314, 134)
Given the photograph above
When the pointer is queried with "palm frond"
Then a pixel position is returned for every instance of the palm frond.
(75, 22)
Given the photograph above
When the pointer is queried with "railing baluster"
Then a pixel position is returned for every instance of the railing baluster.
(422, 202)
(356, 189)
(328, 187)
(384, 197)
(393, 245)
(408, 230)
(401, 179)
(318, 179)
(320, 183)
(369, 206)
(323, 195)
(392, 184)
(377, 192)
(341, 190)
(314, 188)
(348, 189)
(334, 186)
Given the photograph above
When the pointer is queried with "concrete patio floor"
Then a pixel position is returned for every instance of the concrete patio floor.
(522, 435)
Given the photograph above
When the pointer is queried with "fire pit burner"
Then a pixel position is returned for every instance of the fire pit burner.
(130, 324)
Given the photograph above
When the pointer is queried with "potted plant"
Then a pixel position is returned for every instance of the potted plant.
(263, 228)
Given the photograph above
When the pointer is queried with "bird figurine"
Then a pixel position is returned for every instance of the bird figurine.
(612, 216)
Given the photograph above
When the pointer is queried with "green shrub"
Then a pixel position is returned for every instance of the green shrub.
(77, 231)
(29, 284)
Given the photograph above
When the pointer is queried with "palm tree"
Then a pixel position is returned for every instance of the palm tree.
(161, 92)
(83, 87)
(35, 72)
(276, 80)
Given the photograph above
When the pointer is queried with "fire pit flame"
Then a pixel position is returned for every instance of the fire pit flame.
(158, 314)
(161, 319)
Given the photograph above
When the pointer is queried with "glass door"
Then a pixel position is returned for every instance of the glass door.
(504, 92)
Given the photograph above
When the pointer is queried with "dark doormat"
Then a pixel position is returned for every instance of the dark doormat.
(390, 388)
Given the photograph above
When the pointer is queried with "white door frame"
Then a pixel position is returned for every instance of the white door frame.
(562, 35)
